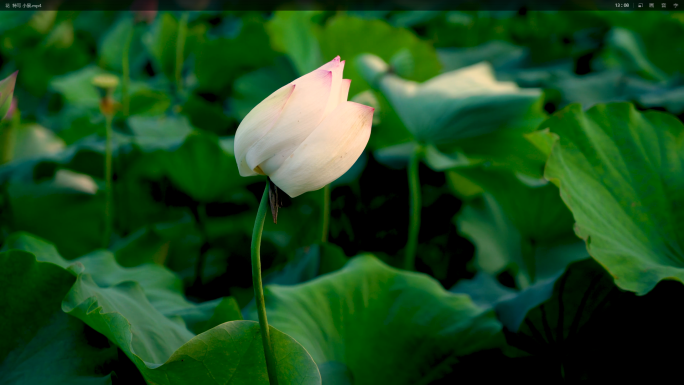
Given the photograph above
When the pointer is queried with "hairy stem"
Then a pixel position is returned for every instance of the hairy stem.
(259, 290)
(109, 201)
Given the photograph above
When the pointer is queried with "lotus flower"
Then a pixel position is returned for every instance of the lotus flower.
(6, 92)
(306, 134)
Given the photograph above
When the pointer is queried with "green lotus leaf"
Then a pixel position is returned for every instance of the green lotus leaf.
(156, 339)
(39, 344)
(376, 324)
(621, 173)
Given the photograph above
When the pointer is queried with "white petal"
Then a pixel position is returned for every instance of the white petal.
(344, 90)
(334, 98)
(331, 64)
(328, 152)
(302, 113)
(257, 123)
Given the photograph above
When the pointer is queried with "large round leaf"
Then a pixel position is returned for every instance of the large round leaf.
(39, 344)
(160, 345)
(384, 325)
(166, 353)
(621, 173)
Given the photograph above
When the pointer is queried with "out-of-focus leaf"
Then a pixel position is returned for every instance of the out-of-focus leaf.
(627, 49)
(350, 37)
(208, 116)
(621, 173)
(411, 18)
(294, 33)
(672, 99)
(382, 324)
(146, 100)
(251, 88)
(500, 54)
(33, 140)
(77, 87)
(581, 294)
(602, 87)
(512, 306)
(44, 207)
(162, 39)
(396, 156)
(520, 225)
(525, 228)
(201, 167)
(160, 127)
(402, 63)
(665, 54)
(11, 19)
(458, 104)
(221, 60)
(483, 289)
(507, 147)
(161, 43)
(145, 245)
(38, 342)
(113, 43)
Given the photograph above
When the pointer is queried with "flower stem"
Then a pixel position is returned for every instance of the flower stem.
(7, 133)
(180, 47)
(414, 219)
(109, 217)
(126, 66)
(325, 221)
(259, 290)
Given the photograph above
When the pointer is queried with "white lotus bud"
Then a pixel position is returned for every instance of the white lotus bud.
(306, 134)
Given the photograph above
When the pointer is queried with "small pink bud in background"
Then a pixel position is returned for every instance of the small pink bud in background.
(145, 10)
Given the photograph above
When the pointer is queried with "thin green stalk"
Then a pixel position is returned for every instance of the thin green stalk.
(180, 47)
(7, 132)
(325, 222)
(126, 65)
(259, 290)
(109, 204)
(414, 219)
(6, 143)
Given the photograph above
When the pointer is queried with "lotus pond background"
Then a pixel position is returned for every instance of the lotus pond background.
(551, 243)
